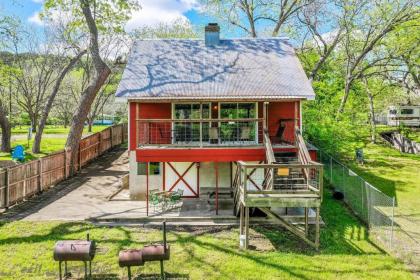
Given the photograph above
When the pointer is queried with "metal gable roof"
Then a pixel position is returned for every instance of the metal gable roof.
(234, 69)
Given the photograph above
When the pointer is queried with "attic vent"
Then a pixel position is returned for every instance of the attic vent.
(212, 34)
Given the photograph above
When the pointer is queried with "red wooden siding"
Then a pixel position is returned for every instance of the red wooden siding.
(133, 116)
(282, 110)
(200, 155)
(154, 111)
(313, 155)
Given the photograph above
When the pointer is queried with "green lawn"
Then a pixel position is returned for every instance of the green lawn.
(56, 129)
(48, 146)
(207, 253)
(49, 143)
(394, 173)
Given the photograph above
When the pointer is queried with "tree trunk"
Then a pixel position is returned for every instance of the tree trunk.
(90, 122)
(36, 148)
(101, 73)
(6, 130)
(371, 115)
(345, 96)
(33, 118)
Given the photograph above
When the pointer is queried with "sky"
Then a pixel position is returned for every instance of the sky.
(152, 12)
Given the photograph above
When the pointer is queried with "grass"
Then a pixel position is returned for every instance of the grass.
(206, 253)
(394, 173)
(55, 129)
(49, 143)
(48, 146)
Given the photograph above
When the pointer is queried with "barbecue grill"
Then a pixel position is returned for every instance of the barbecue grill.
(75, 250)
(150, 253)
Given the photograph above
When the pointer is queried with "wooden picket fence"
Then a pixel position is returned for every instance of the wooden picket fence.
(22, 181)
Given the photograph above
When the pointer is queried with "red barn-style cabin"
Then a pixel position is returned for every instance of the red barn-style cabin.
(213, 116)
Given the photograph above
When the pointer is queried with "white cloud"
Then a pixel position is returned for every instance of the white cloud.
(38, 1)
(36, 19)
(153, 12)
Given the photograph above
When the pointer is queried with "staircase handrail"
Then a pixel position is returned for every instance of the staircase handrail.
(269, 153)
(303, 152)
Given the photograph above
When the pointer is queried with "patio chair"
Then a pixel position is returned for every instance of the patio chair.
(176, 197)
(18, 153)
(214, 135)
(155, 199)
(245, 133)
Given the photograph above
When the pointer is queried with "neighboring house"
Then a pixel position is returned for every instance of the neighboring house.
(198, 107)
(408, 115)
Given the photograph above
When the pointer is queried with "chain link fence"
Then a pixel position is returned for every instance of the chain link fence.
(391, 228)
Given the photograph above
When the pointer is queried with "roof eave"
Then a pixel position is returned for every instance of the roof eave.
(242, 98)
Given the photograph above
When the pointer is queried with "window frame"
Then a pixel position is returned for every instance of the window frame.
(173, 114)
(146, 170)
(237, 108)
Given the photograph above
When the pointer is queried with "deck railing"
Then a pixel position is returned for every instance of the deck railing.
(199, 132)
(304, 177)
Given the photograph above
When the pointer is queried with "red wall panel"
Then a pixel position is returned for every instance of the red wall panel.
(132, 115)
(156, 132)
(155, 110)
(282, 110)
(313, 155)
(200, 155)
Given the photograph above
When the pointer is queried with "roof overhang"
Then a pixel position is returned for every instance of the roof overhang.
(206, 98)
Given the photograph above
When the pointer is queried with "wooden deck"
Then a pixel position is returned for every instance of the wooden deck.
(284, 185)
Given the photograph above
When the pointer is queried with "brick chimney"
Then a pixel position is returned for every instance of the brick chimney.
(212, 34)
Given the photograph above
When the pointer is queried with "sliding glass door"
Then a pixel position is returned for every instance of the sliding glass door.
(187, 129)
(235, 129)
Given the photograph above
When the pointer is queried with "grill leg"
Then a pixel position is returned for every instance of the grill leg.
(90, 269)
(85, 270)
(162, 272)
(59, 270)
(129, 272)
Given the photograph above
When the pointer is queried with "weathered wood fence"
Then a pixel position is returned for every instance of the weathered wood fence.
(22, 181)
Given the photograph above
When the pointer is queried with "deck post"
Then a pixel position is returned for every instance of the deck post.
(306, 220)
(216, 169)
(241, 219)
(265, 104)
(246, 227)
(317, 229)
(147, 188)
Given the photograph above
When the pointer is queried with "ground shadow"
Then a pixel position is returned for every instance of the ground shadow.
(97, 167)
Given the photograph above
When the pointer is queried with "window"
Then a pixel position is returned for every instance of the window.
(234, 131)
(185, 111)
(154, 168)
(186, 132)
(407, 111)
(141, 168)
(237, 110)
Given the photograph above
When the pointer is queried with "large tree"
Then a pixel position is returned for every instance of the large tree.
(8, 31)
(256, 16)
(365, 34)
(93, 17)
